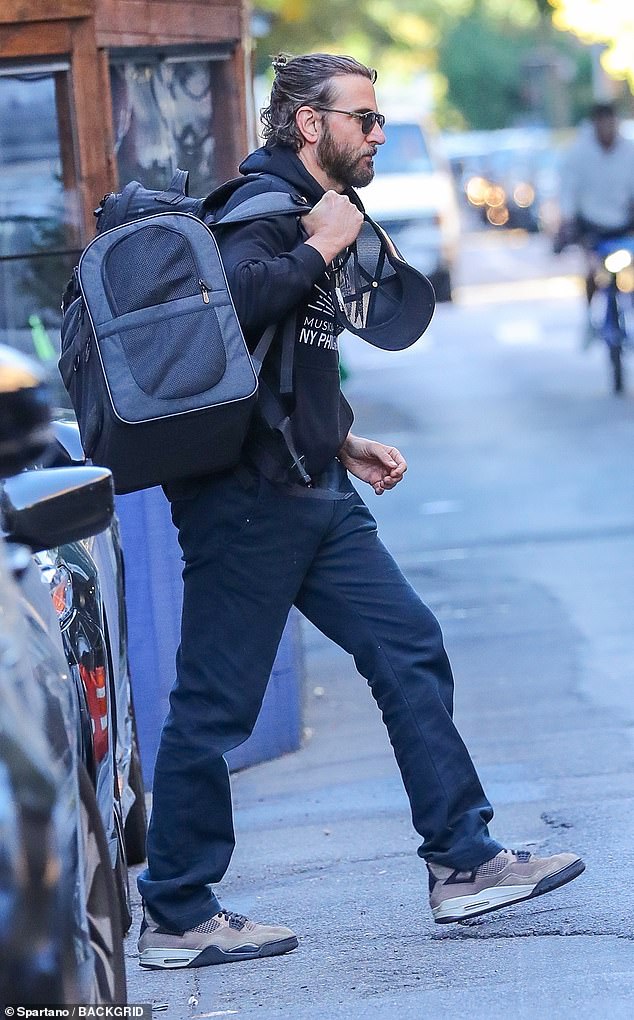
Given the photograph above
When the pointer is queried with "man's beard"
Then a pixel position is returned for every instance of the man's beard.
(343, 165)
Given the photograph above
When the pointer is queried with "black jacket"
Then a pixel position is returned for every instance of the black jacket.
(272, 274)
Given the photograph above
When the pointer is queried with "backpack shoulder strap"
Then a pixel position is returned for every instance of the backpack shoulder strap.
(271, 408)
(288, 328)
(279, 199)
(277, 419)
(263, 206)
(262, 348)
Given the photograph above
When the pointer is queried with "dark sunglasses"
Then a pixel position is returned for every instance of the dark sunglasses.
(367, 120)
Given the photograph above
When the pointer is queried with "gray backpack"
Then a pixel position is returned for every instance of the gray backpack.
(152, 353)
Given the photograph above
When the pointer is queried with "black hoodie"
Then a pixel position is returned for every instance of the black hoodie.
(272, 273)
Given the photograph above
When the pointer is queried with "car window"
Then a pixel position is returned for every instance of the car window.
(404, 152)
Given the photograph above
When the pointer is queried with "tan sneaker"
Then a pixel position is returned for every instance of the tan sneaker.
(509, 877)
(224, 938)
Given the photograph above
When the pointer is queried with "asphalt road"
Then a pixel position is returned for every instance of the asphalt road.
(515, 522)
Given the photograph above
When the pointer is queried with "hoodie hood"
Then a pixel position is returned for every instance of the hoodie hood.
(281, 161)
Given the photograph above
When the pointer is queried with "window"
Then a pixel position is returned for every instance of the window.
(39, 209)
(164, 113)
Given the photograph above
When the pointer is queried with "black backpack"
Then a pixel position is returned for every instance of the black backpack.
(152, 354)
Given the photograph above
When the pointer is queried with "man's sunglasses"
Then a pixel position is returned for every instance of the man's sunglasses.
(367, 120)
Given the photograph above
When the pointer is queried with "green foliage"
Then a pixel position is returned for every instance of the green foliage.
(500, 73)
(411, 27)
(483, 70)
(476, 51)
(298, 26)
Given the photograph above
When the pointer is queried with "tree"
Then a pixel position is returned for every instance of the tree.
(506, 65)
(483, 75)
(602, 21)
(374, 32)
(473, 50)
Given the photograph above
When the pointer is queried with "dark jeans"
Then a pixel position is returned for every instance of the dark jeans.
(251, 551)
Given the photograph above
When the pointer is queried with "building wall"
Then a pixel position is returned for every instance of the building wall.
(157, 22)
(86, 30)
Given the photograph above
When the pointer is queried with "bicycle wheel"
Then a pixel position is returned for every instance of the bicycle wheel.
(606, 306)
(616, 362)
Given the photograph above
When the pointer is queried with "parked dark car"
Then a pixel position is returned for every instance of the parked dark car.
(509, 177)
(86, 583)
(413, 197)
(60, 917)
(89, 594)
(86, 580)
(87, 587)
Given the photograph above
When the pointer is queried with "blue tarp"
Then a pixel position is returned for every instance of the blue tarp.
(154, 596)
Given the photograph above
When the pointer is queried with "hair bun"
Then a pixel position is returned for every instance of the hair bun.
(279, 62)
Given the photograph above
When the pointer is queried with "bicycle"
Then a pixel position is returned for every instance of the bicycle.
(612, 304)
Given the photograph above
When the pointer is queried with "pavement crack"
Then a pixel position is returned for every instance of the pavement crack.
(554, 822)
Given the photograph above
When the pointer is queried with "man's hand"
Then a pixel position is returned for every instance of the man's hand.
(380, 466)
(332, 224)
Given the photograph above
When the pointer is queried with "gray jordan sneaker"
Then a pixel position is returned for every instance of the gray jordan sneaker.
(224, 938)
(509, 877)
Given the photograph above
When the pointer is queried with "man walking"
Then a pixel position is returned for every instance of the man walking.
(262, 538)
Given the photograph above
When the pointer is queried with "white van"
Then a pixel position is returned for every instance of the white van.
(413, 197)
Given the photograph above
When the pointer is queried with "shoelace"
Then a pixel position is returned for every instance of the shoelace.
(235, 920)
(522, 855)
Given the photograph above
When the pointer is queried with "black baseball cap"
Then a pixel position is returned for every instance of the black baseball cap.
(378, 295)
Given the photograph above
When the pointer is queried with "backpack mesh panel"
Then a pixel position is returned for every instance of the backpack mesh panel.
(166, 371)
(150, 266)
(366, 286)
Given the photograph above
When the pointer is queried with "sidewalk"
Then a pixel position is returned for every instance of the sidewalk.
(325, 842)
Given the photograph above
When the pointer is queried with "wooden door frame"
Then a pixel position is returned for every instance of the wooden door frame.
(71, 39)
(66, 29)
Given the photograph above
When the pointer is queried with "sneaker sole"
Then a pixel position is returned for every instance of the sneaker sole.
(173, 959)
(462, 907)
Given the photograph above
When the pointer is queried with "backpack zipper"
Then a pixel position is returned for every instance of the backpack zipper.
(204, 289)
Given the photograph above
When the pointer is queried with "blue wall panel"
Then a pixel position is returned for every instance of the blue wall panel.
(154, 595)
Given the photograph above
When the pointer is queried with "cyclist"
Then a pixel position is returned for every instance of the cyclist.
(597, 190)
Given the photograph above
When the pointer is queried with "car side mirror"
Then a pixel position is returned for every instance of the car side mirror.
(66, 449)
(25, 412)
(52, 506)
